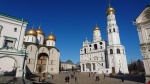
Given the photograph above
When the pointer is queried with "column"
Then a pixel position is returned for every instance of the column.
(91, 67)
(84, 67)
(81, 67)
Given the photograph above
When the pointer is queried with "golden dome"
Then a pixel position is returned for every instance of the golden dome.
(51, 37)
(39, 31)
(31, 32)
(96, 28)
(110, 10)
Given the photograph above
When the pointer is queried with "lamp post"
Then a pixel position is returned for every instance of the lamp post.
(24, 65)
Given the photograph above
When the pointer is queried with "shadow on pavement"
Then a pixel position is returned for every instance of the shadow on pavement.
(136, 78)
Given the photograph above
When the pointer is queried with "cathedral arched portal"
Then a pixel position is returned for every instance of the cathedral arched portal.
(41, 62)
(8, 66)
(88, 66)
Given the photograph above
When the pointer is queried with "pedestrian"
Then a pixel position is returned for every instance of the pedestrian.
(104, 76)
(122, 79)
(39, 78)
(48, 76)
(43, 79)
(89, 74)
(75, 79)
(98, 78)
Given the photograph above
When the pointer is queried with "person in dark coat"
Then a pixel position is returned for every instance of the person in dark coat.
(104, 76)
(75, 79)
(89, 74)
(122, 79)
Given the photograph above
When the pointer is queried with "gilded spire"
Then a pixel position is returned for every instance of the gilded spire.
(110, 10)
(96, 28)
(33, 26)
(39, 31)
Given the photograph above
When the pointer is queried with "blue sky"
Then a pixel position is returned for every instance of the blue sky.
(71, 21)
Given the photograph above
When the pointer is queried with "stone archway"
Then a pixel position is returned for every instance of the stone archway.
(41, 62)
(8, 66)
(88, 66)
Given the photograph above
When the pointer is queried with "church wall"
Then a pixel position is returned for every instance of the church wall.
(32, 57)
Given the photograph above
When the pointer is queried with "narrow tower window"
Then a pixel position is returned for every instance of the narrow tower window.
(15, 29)
(109, 30)
(85, 50)
(111, 51)
(100, 43)
(113, 29)
(95, 46)
(118, 51)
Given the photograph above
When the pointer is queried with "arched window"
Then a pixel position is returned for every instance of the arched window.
(90, 45)
(95, 46)
(109, 30)
(113, 29)
(85, 50)
(111, 51)
(118, 51)
(100, 43)
(15, 29)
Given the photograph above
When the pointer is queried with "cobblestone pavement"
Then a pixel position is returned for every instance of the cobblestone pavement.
(83, 78)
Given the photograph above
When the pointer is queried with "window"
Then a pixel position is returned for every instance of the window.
(29, 61)
(102, 64)
(51, 62)
(109, 30)
(101, 47)
(113, 29)
(8, 43)
(95, 46)
(84, 50)
(111, 51)
(100, 43)
(118, 51)
(90, 45)
(15, 29)
(90, 49)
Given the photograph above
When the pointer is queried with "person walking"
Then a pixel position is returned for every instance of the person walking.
(43, 79)
(89, 74)
(122, 79)
(104, 76)
(75, 79)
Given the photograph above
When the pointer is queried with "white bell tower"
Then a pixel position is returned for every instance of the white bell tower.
(116, 51)
(96, 34)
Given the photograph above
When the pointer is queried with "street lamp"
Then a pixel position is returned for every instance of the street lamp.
(24, 64)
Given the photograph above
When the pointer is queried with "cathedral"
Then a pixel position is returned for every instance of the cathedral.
(104, 56)
(23, 52)
(43, 56)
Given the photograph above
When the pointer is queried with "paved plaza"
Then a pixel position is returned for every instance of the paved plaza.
(83, 78)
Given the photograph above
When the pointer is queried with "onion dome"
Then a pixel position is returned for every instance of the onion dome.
(39, 31)
(96, 28)
(31, 32)
(51, 37)
(110, 10)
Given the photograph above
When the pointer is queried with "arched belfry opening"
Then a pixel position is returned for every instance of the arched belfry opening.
(41, 62)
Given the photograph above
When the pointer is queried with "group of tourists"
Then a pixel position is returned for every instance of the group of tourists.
(67, 78)
(42, 79)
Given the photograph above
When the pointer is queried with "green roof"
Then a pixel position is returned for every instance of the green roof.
(20, 19)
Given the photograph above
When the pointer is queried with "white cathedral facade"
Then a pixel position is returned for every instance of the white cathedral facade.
(101, 56)
(26, 52)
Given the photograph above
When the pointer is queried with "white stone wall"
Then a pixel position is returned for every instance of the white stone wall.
(8, 30)
(143, 27)
(50, 43)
